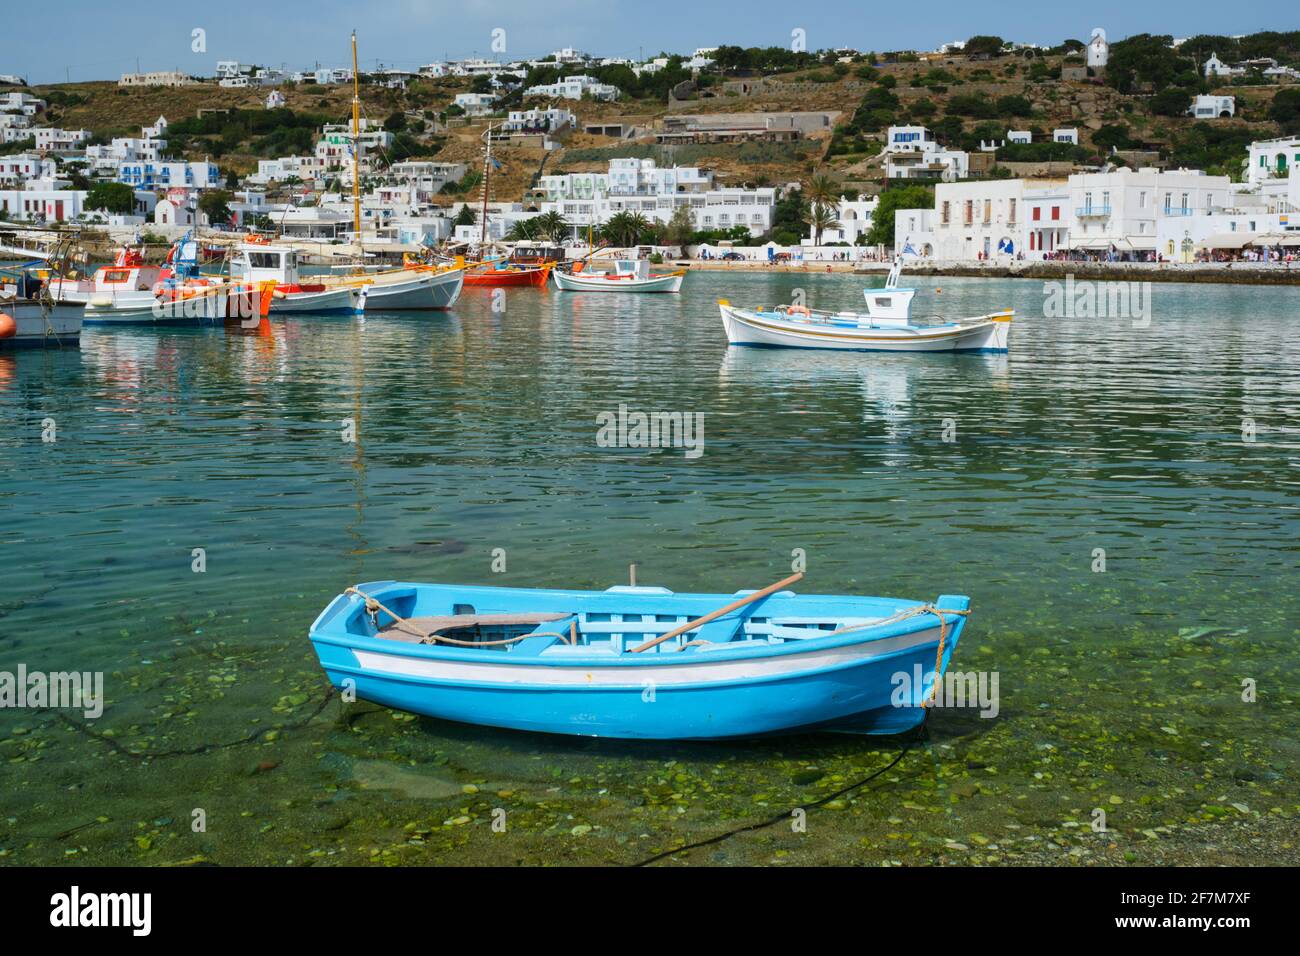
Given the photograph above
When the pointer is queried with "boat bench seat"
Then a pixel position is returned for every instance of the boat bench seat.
(795, 629)
(547, 635)
(449, 622)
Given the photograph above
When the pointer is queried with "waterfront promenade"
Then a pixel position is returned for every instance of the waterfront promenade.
(1251, 273)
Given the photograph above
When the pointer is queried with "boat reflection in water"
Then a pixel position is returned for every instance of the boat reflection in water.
(887, 383)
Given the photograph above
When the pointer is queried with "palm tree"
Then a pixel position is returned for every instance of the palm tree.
(525, 230)
(552, 225)
(625, 228)
(821, 217)
(822, 190)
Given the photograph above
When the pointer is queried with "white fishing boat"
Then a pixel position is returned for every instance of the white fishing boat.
(405, 289)
(178, 305)
(276, 268)
(128, 279)
(27, 323)
(626, 275)
(796, 326)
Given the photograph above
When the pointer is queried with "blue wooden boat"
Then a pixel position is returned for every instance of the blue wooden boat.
(640, 661)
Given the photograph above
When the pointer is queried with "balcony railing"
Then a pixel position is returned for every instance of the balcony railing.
(1179, 211)
(1092, 212)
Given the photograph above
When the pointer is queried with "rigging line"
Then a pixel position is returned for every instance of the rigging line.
(780, 817)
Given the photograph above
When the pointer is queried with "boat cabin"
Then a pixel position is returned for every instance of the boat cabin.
(135, 278)
(631, 268)
(259, 262)
(891, 305)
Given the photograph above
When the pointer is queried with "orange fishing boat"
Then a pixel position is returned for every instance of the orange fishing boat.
(509, 274)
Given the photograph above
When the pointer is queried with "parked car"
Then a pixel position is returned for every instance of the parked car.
(732, 257)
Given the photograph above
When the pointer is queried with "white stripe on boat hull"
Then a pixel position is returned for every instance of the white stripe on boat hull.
(423, 290)
(598, 283)
(204, 307)
(331, 300)
(695, 671)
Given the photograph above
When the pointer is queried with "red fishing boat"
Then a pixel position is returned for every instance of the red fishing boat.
(508, 274)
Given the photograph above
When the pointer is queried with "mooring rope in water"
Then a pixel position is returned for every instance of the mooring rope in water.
(910, 613)
(780, 817)
(123, 751)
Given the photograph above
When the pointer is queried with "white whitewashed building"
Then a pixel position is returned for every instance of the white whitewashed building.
(853, 220)
(911, 152)
(475, 104)
(1120, 210)
(1212, 107)
(539, 120)
(1098, 50)
(574, 88)
(56, 140)
(640, 186)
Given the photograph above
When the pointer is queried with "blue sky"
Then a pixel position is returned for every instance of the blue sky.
(100, 39)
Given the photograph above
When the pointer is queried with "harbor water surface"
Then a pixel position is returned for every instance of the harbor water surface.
(1118, 498)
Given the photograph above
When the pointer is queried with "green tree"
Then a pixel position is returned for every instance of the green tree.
(1014, 106)
(116, 198)
(1170, 102)
(1113, 135)
(553, 226)
(216, 204)
(524, 230)
(395, 122)
(467, 216)
(680, 228)
(822, 190)
(987, 45)
(923, 109)
(1150, 60)
(1285, 110)
(892, 200)
(625, 228)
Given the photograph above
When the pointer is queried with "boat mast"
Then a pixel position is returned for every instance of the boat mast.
(487, 178)
(356, 143)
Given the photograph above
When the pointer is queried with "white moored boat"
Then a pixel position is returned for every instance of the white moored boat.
(401, 290)
(25, 323)
(800, 327)
(128, 279)
(178, 305)
(276, 267)
(628, 275)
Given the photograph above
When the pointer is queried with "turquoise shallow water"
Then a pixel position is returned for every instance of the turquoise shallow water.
(477, 430)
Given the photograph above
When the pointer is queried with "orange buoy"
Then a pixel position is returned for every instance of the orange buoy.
(8, 327)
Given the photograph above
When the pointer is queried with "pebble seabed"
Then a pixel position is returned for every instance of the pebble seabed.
(1185, 777)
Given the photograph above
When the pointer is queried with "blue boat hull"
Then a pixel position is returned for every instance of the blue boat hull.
(876, 682)
(861, 693)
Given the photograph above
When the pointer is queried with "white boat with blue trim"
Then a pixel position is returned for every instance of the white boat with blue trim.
(641, 662)
(886, 326)
(623, 275)
(796, 326)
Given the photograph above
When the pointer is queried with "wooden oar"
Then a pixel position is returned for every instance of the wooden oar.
(714, 615)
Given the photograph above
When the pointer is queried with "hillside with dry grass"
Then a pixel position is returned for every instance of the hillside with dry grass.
(964, 99)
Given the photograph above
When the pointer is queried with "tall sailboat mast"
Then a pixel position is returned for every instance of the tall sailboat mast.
(356, 142)
(487, 178)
